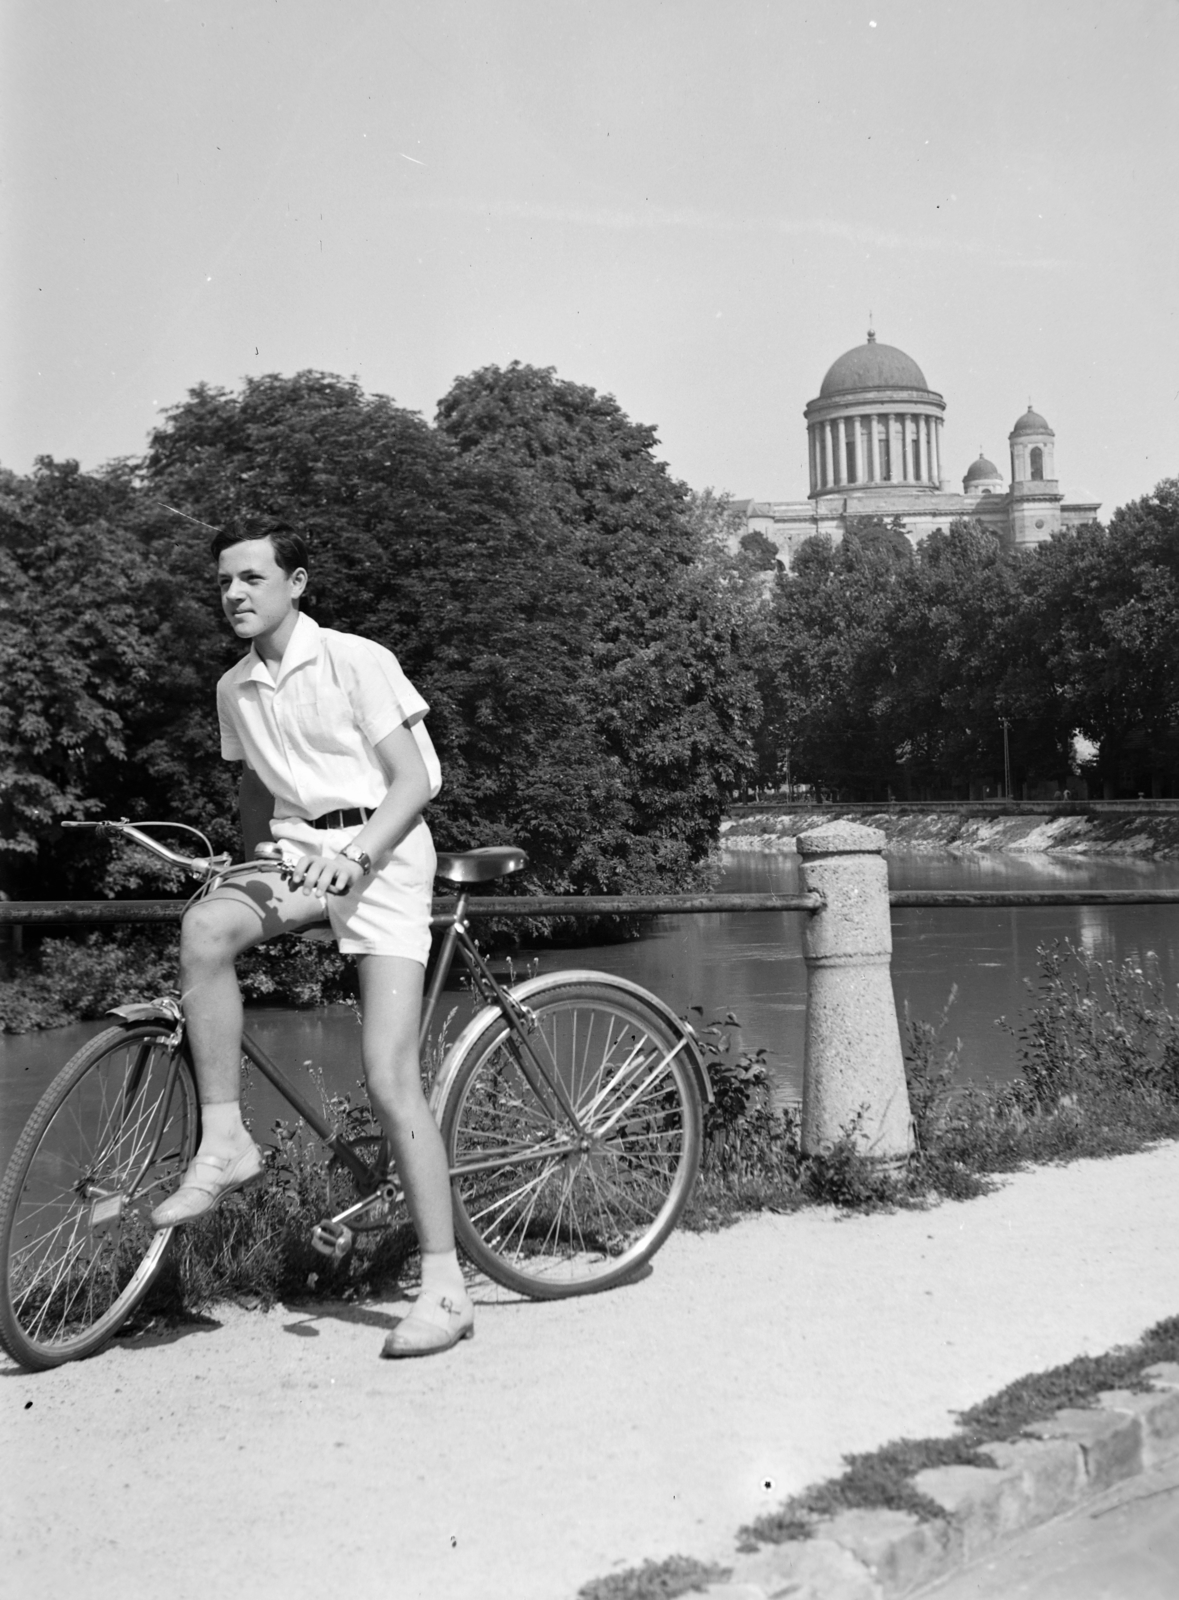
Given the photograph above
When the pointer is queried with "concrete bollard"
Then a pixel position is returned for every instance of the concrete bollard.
(854, 1071)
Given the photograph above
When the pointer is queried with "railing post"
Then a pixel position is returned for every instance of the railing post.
(854, 1071)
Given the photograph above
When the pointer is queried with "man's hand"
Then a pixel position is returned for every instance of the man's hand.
(324, 875)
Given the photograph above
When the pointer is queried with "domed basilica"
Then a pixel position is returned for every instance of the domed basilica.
(874, 437)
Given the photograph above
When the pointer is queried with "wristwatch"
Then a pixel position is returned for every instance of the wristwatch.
(361, 857)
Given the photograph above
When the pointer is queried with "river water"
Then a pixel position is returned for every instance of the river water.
(749, 964)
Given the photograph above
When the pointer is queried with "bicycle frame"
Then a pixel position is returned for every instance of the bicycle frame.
(518, 1017)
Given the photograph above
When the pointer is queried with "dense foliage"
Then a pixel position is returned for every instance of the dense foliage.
(564, 605)
(890, 670)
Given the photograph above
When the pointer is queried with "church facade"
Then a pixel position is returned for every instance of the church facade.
(875, 449)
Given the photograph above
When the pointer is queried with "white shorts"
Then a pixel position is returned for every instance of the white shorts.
(387, 913)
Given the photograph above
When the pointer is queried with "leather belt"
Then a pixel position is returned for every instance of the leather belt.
(341, 819)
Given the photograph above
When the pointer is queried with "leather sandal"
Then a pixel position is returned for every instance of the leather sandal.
(436, 1323)
(206, 1183)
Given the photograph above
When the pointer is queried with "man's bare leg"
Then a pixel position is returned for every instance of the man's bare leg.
(214, 933)
(391, 999)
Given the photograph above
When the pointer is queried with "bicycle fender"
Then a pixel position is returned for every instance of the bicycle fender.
(165, 1009)
(534, 988)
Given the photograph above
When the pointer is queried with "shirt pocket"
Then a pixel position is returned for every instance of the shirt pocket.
(322, 719)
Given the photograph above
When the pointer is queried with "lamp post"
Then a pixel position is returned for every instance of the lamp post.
(1006, 759)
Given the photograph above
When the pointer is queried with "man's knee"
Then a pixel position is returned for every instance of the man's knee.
(212, 933)
(394, 1079)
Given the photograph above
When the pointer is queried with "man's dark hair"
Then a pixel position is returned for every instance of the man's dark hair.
(290, 547)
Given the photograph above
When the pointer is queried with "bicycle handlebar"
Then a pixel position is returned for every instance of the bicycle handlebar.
(267, 855)
(199, 866)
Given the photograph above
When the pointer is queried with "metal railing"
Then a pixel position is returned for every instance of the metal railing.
(775, 806)
(66, 912)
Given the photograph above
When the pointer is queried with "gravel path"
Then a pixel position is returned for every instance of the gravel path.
(274, 1454)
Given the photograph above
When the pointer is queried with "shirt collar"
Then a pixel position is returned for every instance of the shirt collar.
(302, 646)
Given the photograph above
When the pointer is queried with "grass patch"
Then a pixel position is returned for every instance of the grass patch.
(884, 1478)
(655, 1580)
(1075, 1384)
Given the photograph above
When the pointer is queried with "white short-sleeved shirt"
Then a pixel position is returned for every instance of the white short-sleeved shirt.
(310, 734)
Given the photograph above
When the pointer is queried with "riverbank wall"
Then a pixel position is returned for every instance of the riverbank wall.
(1121, 833)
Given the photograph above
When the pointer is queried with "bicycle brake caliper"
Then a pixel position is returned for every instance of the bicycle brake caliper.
(525, 1015)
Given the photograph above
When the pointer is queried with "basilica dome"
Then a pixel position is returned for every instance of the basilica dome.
(981, 469)
(982, 477)
(872, 366)
(875, 423)
(1030, 422)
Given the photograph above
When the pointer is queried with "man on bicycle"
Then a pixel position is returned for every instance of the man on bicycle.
(338, 767)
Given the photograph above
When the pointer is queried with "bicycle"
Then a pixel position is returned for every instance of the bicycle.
(571, 1109)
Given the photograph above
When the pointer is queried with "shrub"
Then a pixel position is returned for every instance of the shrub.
(71, 980)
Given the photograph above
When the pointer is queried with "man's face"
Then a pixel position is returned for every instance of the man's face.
(256, 594)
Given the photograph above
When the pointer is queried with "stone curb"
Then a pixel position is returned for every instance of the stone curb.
(1055, 1466)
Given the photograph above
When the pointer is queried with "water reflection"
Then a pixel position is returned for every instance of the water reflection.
(750, 965)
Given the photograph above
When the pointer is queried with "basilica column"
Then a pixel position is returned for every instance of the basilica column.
(840, 452)
(874, 446)
(810, 457)
(937, 451)
(919, 457)
(828, 475)
(858, 447)
(906, 468)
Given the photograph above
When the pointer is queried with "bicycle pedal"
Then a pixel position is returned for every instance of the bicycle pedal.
(332, 1239)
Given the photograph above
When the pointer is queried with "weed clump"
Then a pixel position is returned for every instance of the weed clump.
(1098, 1076)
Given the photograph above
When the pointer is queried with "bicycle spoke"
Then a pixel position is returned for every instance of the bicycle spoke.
(116, 1127)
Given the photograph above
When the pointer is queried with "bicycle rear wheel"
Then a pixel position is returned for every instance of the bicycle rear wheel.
(548, 1208)
(109, 1138)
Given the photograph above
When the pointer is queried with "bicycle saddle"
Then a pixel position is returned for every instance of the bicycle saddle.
(480, 866)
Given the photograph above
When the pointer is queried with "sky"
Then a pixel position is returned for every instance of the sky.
(693, 205)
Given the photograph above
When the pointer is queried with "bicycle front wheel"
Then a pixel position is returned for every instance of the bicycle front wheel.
(553, 1205)
(109, 1138)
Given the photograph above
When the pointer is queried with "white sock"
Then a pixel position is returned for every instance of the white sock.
(442, 1275)
(222, 1129)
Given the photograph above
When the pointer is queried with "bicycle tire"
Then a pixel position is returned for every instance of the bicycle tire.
(76, 1238)
(539, 1209)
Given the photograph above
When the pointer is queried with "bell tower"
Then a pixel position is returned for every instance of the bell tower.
(1035, 494)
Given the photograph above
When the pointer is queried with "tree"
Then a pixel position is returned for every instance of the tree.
(828, 663)
(1104, 603)
(536, 572)
(888, 668)
(653, 642)
(83, 609)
